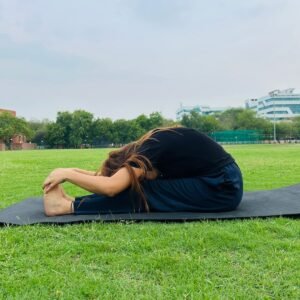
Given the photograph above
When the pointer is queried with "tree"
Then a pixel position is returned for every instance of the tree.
(229, 118)
(81, 128)
(102, 131)
(40, 130)
(170, 123)
(10, 126)
(285, 130)
(73, 129)
(7, 127)
(22, 127)
(64, 120)
(296, 127)
(155, 120)
(206, 124)
(55, 136)
(244, 119)
(124, 131)
(143, 122)
(247, 120)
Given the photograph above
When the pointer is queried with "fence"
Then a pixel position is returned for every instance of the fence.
(238, 136)
(250, 137)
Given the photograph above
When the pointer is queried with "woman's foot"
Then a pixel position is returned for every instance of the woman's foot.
(56, 203)
(64, 193)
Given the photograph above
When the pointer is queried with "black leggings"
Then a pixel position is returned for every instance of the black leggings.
(221, 191)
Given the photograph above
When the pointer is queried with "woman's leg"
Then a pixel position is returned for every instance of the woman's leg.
(124, 202)
(219, 192)
(57, 202)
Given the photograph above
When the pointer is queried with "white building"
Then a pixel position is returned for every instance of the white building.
(277, 105)
(202, 110)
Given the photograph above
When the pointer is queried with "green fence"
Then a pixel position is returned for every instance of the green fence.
(237, 136)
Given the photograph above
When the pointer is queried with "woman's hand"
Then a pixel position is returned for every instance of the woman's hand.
(56, 177)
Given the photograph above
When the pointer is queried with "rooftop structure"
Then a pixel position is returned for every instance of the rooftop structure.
(278, 105)
(202, 110)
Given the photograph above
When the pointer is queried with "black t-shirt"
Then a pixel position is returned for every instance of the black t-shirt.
(184, 152)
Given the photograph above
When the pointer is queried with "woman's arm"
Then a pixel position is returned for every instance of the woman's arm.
(108, 186)
(91, 173)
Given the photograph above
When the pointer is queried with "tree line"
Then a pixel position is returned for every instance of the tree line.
(80, 128)
(243, 119)
(74, 130)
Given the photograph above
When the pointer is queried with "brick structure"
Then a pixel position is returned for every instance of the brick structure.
(18, 141)
(12, 112)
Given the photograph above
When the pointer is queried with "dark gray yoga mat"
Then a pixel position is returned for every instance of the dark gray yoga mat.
(278, 202)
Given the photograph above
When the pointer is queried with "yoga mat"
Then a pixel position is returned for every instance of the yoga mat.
(278, 202)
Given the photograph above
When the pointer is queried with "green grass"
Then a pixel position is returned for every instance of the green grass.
(252, 259)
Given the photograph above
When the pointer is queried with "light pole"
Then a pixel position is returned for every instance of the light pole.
(274, 125)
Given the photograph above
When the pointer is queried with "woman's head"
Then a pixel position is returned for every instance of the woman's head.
(128, 154)
(124, 158)
(117, 158)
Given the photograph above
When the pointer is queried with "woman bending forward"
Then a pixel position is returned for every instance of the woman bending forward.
(167, 170)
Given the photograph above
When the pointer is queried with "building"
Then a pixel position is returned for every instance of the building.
(18, 141)
(278, 105)
(12, 112)
(202, 110)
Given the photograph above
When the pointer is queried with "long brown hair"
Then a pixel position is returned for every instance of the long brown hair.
(128, 155)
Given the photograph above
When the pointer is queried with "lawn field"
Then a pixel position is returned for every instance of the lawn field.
(250, 259)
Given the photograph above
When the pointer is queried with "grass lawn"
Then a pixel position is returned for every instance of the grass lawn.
(252, 259)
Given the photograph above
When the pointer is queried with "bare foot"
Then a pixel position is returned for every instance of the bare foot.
(55, 203)
(64, 194)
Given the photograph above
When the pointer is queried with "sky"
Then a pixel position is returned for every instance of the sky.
(122, 58)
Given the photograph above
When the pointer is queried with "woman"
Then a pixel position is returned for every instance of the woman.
(168, 169)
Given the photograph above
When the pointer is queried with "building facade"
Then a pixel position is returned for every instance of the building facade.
(278, 105)
(202, 110)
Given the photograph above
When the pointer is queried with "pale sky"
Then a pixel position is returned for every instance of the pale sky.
(122, 58)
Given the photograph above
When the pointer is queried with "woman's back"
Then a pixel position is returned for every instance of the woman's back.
(184, 152)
